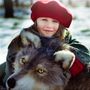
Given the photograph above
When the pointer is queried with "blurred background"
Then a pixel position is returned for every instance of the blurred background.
(15, 15)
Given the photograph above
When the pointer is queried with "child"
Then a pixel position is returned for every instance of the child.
(51, 20)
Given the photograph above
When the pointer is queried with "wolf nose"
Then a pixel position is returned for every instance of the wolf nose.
(11, 82)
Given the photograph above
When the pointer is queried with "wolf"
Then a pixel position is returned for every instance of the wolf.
(36, 70)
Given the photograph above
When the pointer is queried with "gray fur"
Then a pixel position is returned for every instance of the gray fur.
(28, 36)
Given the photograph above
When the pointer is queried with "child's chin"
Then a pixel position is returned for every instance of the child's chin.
(48, 35)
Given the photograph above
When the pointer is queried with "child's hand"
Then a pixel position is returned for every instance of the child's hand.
(66, 56)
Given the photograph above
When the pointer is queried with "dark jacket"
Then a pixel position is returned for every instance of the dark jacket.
(81, 52)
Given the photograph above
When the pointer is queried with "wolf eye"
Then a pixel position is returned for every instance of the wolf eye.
(23, 61)
(41, 70)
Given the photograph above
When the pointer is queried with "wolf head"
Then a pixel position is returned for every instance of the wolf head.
(34, 70)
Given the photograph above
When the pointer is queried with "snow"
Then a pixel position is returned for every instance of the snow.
(10, 28)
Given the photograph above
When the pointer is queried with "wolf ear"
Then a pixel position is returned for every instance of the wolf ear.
(66, 57)
(29, 38)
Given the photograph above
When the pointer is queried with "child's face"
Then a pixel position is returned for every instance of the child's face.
(47, 26)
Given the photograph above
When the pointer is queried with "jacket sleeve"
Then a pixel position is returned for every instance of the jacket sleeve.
(76, 68)
(81, 53)
(2, 72)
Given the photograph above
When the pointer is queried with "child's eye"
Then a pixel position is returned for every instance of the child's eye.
(55, 21)
(44, 19)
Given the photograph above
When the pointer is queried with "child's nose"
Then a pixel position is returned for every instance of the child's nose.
(49, 25)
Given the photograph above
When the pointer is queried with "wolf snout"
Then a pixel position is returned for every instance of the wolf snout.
(11, 82)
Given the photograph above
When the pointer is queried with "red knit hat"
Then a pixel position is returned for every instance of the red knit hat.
(53, 9)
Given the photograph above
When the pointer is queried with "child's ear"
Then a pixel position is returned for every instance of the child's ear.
(29, 38)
